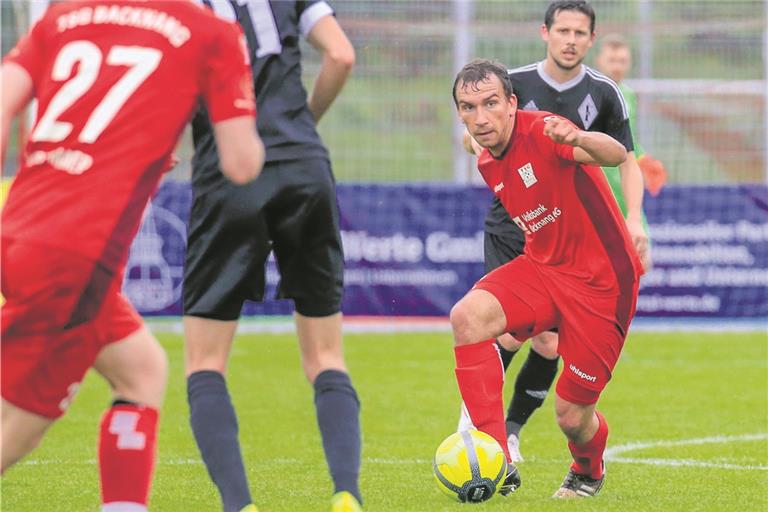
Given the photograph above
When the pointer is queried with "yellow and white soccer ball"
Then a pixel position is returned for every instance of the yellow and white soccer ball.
(469, 466)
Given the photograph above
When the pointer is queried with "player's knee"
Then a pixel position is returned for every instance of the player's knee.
(573, 421)
(144, 382)
(462, 323)
(509, 342)
(545, 344)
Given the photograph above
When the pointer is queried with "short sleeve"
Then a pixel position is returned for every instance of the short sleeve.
(29, 52)
(227, 86)
(310, 12)
(618, 125)
(563, 151)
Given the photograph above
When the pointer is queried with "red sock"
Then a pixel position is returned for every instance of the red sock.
(588, 457)
(127, 456)
(480, 375)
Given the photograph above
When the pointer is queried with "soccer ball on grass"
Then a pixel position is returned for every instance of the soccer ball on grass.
(469, 466)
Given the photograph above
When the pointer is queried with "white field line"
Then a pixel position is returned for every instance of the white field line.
(612, 453)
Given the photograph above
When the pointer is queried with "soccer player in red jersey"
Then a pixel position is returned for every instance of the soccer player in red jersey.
(115, 82)
(579, 272)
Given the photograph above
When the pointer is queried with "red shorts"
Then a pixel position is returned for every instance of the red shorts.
(591, 328)
(60, 310)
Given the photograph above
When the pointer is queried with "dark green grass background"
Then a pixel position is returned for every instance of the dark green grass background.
(666, 387)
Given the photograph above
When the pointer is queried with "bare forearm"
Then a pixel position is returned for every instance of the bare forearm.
(632, 187)
(603, 149)
(17, 90)
(331, 79)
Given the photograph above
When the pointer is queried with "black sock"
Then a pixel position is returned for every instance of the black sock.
(214, 424)
(506, 355)
(531, 387)
(338, 416)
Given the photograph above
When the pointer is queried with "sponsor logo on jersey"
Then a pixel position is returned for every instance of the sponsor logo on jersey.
(534, 219)
(526, 173)
(498, 188)
(588, 111)
(581, 374)
(531, 105)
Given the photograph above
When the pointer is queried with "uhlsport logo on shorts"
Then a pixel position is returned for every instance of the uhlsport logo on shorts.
(585, 376)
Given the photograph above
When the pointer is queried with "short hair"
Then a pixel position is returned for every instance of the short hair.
(581, 6)
(478, 71)
(614, 42)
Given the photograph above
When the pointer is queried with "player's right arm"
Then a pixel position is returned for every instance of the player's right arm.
(588, 147)
(241, 151)
(18, 90)
(337, 61)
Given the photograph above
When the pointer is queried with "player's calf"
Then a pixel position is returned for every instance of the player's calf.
(127, 441)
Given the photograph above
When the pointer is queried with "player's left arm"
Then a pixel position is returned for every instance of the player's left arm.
(18, 90)
(338, 57)
(632, 185)
(632, 188)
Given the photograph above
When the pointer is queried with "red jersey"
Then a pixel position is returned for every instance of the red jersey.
(573, 228)
(115, 81)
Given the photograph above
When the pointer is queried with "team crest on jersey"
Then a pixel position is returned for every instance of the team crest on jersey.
(588, 111)
(526, 173)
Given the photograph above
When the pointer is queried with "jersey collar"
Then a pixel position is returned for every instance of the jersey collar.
(560, 87)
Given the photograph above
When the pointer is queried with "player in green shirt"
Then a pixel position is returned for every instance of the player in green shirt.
(615, 60)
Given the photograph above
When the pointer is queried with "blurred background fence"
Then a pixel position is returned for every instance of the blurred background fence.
(699, 70)
(411, 217)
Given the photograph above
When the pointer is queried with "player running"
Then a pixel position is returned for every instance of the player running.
(563, 85)
(290, 209)
(115, 82)
(579, 271)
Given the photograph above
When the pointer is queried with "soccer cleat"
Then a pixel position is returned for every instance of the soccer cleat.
(512, 482)
(465, 422)
(250, 508)
(345, 502)
(577, 485)
(513, 444)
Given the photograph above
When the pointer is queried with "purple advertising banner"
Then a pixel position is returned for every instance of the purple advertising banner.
(415, 249)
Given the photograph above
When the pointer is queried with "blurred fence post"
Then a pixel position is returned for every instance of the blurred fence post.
(463, 49)
(645, 68)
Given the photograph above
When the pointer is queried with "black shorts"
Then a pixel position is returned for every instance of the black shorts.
(503, 240)
(291, 209)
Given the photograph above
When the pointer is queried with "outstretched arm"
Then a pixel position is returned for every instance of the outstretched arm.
(589, 147)
(338, 58)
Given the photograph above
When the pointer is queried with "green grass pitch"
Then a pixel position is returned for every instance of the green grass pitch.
(679, 388)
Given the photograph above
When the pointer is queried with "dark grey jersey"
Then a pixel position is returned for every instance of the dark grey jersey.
(285, 123)
(590, 100)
